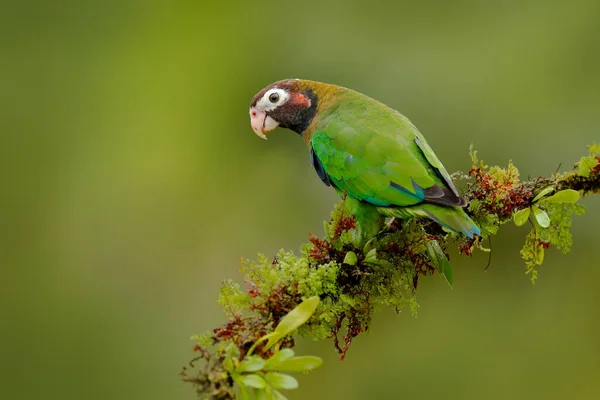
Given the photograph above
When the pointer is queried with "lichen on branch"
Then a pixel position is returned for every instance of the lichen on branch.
(354, 278)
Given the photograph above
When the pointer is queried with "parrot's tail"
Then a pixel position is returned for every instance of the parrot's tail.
(453, 219)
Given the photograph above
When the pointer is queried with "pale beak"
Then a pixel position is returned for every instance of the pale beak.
(261, 122)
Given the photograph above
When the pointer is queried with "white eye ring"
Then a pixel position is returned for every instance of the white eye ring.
(272, 99)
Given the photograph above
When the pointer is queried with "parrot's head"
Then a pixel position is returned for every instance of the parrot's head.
(290, 104)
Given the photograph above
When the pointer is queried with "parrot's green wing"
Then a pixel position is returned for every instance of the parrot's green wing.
(376, 155)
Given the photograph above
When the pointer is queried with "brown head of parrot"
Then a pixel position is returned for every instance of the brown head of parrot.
(285, 103)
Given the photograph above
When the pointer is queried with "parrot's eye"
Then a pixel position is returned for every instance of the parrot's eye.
(274, 97)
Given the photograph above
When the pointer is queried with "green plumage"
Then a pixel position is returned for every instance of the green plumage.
(367, 150)
(376, 155)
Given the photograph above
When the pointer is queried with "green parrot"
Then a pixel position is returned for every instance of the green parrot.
(364, 149)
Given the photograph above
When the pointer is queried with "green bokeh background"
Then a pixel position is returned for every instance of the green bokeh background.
(132, 182)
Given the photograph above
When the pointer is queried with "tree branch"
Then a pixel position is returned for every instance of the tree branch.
(355, 277)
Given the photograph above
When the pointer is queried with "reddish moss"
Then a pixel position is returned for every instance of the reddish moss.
(467, 246)
(394, 248)
(229, 330)
(421, 267)
(336, 329)
(499, 199)
(596, 169)
(344, 225)
(253, 290)
(277, 303)
(321, 251)
(355, 326)
(243, 332)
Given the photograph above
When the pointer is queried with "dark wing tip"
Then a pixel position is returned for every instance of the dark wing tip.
(437, 194)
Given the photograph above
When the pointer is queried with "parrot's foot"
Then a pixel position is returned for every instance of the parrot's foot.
(393, 224)
(390, 227)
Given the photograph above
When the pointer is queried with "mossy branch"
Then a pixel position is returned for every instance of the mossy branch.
(354, 277)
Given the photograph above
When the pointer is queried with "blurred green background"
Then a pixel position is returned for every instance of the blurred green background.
(132, 183)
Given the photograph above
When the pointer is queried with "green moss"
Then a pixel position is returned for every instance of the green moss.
(488, 223)
(508, 176)
(558, 234)
(232, 298)
(587, 165)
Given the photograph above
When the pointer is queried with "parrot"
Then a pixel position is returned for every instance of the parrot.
(365, 150)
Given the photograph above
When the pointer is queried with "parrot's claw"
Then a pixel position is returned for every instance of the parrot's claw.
(389, 227)
(393, 224)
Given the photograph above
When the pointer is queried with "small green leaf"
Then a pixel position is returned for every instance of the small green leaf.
(293, 320)
(251, 364)
(564, 196)
(383, 263)
(281, 381)
(228, 364)
(371, 256)
(261, 394)
(449, 274)
(440, 262)
(277, 358)
(433, 256)
(350, 258)
(260, 340)
(276, 395)
(541, 216)
(296, 364)
(522, 216)
(354, 236)
(368, 246)
(539, 255)
(587, 165)
(543, 192)
(244, 394)
(251, 380)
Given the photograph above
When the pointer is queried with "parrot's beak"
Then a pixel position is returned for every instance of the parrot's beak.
(262, 123)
